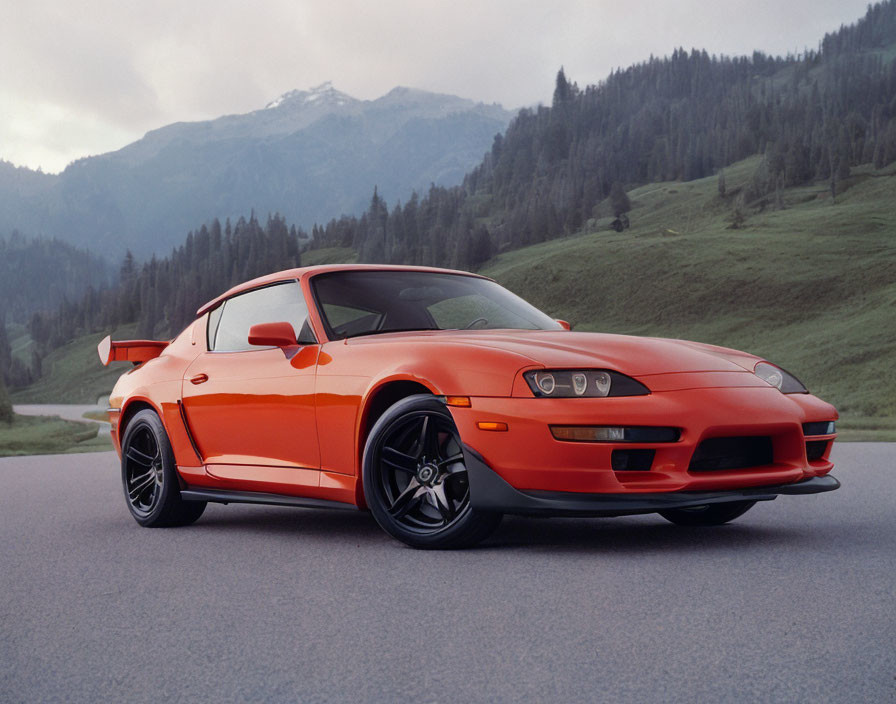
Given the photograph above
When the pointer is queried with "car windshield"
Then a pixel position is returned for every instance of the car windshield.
(354, 303)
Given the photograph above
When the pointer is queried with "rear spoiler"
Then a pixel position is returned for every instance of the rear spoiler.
(136, 351)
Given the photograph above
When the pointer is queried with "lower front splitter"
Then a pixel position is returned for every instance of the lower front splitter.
(489, 491)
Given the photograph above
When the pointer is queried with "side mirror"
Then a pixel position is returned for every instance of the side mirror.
(564, 324)
(273, 335)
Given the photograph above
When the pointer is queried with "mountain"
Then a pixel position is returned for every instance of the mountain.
(768, 216)
(309, 155)
(813, 117)
(37, 274)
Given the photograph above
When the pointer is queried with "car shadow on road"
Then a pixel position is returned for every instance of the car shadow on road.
(636, 535)
(643, 534)
(305, 523)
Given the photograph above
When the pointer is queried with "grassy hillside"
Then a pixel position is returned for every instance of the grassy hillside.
(329, 255)
(73, 373)
(811, 287)
(38, 435)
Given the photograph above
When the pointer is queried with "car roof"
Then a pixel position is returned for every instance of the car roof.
(307, 271)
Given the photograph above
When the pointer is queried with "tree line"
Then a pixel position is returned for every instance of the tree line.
(558, 169)
(37, 273)
(812, 116)
(162, 295)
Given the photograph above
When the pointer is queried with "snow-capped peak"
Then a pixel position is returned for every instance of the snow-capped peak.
(323, 92)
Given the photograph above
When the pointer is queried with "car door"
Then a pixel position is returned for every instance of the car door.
(251, 409)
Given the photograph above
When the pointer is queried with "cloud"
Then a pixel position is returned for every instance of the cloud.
(87, 76)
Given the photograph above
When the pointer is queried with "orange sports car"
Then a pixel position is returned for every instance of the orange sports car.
(439, 401)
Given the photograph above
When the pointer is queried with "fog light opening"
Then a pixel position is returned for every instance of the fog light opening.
(614, 433)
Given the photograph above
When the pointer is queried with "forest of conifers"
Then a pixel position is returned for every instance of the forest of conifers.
(813, 117)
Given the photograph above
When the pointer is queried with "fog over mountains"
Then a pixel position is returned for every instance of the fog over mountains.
(309, 155)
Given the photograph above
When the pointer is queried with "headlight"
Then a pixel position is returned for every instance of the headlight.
(584, 383)
(782, 380)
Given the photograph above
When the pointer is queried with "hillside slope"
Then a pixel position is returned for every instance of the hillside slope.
(73, 373)
(38, 274)
(811, 287)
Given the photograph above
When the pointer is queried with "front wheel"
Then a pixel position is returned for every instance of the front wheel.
(149, 476)
(415, 479)
(709, 515)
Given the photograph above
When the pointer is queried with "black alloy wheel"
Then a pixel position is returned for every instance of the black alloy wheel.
(415, 479)
(149, 475)
(143, 474)
(424, 478)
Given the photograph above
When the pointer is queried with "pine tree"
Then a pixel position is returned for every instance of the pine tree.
(483, 249)
(5, 348)
(128, 268)
(6, 414)
(563, 91)
(619, 199)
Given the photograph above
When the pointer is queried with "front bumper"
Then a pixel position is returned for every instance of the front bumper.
(489, 492)
(528, 458)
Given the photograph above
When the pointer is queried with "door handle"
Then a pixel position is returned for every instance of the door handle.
(199, 379)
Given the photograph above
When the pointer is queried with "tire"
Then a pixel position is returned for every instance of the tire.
(415, 479)
(149, 477)
(709, 515)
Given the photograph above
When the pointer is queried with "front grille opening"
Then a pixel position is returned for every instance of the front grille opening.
(815, 449)
(632, 460)
(715, 454)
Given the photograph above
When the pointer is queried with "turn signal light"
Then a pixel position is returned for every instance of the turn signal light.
(491, 425)
(459, 401)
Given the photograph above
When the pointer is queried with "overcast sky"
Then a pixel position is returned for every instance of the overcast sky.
(86, 77)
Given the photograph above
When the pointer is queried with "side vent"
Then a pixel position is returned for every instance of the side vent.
(183, 417)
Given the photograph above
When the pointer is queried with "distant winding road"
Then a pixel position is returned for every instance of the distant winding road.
(795, 602)
(66, 411)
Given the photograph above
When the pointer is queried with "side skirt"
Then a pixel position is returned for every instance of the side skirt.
(225, 496)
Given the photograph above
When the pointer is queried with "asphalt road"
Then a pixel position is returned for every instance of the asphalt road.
(795, 602)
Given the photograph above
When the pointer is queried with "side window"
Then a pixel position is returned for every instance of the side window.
(272, 304)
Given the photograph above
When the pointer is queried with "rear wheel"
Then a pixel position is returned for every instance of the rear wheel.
(149, 476)
(709, 515)
(415, 479)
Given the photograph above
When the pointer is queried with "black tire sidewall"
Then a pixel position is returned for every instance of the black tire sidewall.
(169, 499)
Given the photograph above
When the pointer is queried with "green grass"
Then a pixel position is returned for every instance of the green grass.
(74, 374)
(861, 428)
(40, 435)
(329, 255)
(811, 287)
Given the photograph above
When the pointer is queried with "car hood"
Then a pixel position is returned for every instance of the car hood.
(635, 356)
